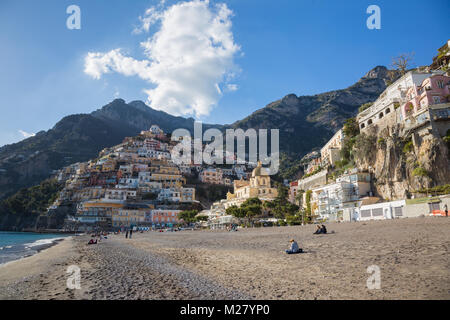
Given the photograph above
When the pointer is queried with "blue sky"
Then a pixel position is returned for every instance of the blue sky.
(303, 47)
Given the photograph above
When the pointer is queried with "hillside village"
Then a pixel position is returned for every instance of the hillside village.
(382, 164)
(135, 183)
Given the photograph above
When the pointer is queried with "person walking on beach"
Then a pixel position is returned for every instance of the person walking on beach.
(126, 234)
(131, 232)
(446, 210)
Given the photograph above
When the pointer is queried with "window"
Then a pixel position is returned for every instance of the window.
(398, 211)
(388, 110)
(436, 99)
(362, 125)
(440, 84)
(377, 212)
(369, 122)
(409, 109)
(434, 206)
(380, 115)
(365, 213)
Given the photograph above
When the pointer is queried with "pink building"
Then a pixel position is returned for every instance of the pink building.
(293, 190)
(433, 90)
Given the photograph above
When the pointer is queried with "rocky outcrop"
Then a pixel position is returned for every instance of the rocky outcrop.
(401, 164)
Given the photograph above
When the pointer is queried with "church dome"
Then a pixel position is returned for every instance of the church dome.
(259, 170)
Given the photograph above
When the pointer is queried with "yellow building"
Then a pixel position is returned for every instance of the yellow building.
(165, 169)
(109, 165)
(259, 186)
(168, 180)
(132, 214)
(96, 212)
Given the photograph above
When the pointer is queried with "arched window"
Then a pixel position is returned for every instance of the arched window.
(388, 110)
(380, 115)
(369, 122)
(363, 125)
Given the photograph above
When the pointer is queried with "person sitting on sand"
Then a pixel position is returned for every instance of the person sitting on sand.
(319, 230)
(294, 248)
(92, 241)
(324, 230)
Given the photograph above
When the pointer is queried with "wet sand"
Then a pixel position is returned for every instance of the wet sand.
(412, 254)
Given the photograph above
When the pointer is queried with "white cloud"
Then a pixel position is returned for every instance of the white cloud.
(187, 58)
(232, 87)
(26, 134)
(150, 18)
(97, 64)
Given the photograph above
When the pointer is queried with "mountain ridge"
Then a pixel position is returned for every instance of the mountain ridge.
(305, 123)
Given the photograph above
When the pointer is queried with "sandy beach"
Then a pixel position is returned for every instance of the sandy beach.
(412, 254)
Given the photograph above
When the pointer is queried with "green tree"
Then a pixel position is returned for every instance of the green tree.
(294, 220)
(235, 211)
(299, 197)
(188, 216)
(351, 128)
(201, 218)
(252, 201)
(308, 211)
(283, 193)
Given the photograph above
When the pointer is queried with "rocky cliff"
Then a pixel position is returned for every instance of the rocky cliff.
(404, 163)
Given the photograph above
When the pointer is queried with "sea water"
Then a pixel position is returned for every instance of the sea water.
(16, 245)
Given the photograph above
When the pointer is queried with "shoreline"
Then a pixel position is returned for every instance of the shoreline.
(412, 255)
(23, 278)
(34, 248)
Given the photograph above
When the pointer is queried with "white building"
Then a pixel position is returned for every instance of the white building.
(381, 211)
(128, 183)
(332, 201)
(151, 153)
(391, 98)
(126, 168)
(119, 194)
(170, 194)
(217, 217)
(155, 129)
(184, 168)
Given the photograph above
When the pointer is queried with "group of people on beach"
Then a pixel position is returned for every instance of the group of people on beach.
(98, 236)
(294, 248)
(321, 229)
